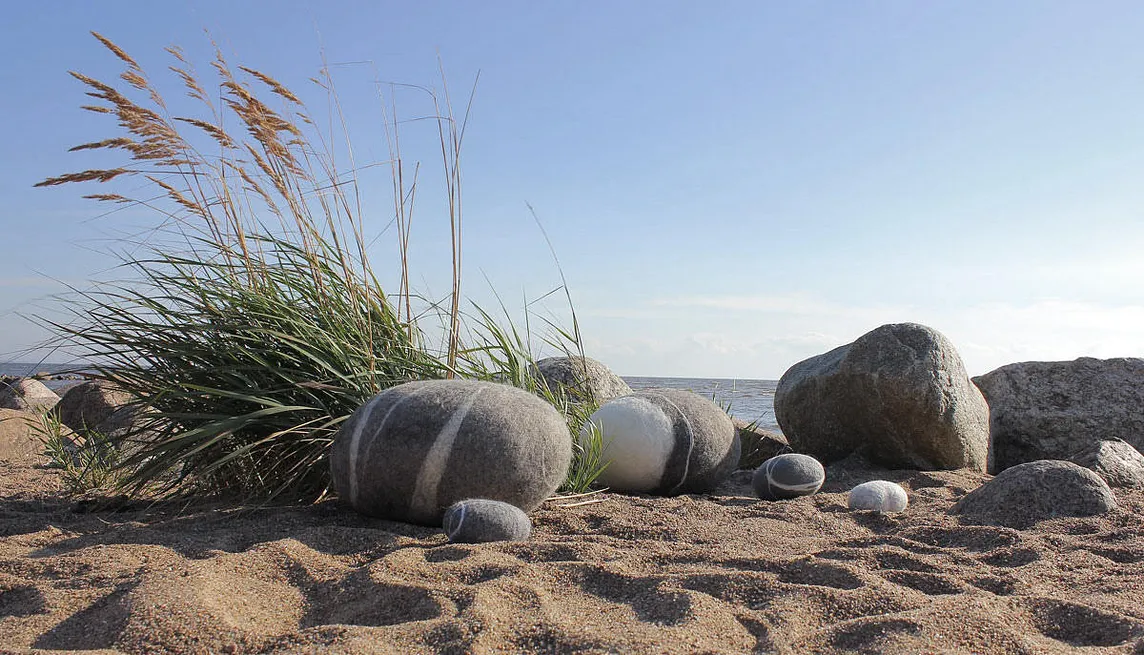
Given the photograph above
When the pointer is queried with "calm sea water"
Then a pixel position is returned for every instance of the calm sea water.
(750, 400)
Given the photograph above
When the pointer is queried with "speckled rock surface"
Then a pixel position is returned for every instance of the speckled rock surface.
(1115, 460)
(1023, 495)
(899, 395)
(89, 405)
(1049, 410)
(583, 377)
(27, 395)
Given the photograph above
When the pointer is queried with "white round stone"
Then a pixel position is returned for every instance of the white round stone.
(879, 496)
(638, 440)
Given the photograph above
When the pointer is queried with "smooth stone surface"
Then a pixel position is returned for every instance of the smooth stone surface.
(1023, 495)
(879, 496)
(27, 395)
(90, 405)
(1115, 460)
(414, 449)
(788, 476)
(1050, 410)
(583, 377)
(665, 442)
(899, 395)
(479, 520)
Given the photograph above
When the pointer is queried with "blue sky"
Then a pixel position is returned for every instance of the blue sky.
(731, 187)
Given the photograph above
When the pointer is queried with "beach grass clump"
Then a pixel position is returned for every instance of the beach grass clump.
(90, 464)
(249, 322)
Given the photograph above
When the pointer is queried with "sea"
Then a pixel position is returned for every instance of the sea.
(749, 400)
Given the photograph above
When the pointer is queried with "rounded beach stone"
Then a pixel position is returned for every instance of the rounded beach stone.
(788, 476)
(1022, 495)
(417, 448)
(479, 520)
(880, 496)
(665, 442)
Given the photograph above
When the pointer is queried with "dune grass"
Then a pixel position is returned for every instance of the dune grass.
(250, 323)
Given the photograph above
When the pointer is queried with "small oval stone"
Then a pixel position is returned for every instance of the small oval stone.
(879, 496)
(478, 520)
(788, 476)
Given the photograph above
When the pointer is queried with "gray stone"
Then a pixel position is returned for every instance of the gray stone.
(879, 496)
(1022, 495)
(1115, 460)
(665, 442)
(758, 444)
(583, 377)
(788, 476)
(899, 395)
(478, 520)
(414, 449)
(87, 406)
(1049, 410)
(27, 395)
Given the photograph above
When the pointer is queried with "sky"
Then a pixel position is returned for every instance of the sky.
(729, 187)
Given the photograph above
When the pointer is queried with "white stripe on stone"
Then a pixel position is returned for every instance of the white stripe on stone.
(458, 520)
(424, 499)
(690, 443)
(355, 440)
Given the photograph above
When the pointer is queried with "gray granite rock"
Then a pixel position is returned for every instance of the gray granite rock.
(414, 449)
(27, 395)
(1049, 410)
(1115, 460)
(583, 377)
(1022, 495)
(899, 395)
(665, 442)
(878, 496)
(89, 405)
(478, 520)
(788, 476)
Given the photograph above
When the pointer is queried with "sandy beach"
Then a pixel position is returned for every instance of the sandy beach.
(718, 573)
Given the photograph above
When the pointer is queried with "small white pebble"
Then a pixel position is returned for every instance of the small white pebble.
(880, 496)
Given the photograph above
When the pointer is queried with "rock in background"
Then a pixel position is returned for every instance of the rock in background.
(90, 405)
(1115, 460)
(583, 377)
(899, 395)
(27, 395)
(1025, 494)
(1049, 410)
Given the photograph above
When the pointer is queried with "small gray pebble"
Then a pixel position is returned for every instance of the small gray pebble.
(788, 476)
(880, 496)
(478, 520)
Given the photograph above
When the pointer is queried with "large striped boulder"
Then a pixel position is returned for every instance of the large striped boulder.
(665, 442)
(415, 449)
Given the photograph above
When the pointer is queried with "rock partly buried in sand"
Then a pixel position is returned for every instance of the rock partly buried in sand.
(665, 442)
(879, 496)
(88, 406)
(1022, 495)
(27, 395)
(898, 394)
(583, 377)
(414, 449)
(1115, 460)
(788, 476)
(1049, 410)
(479, 520)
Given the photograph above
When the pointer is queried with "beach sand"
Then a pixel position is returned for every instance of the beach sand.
(719, 573)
